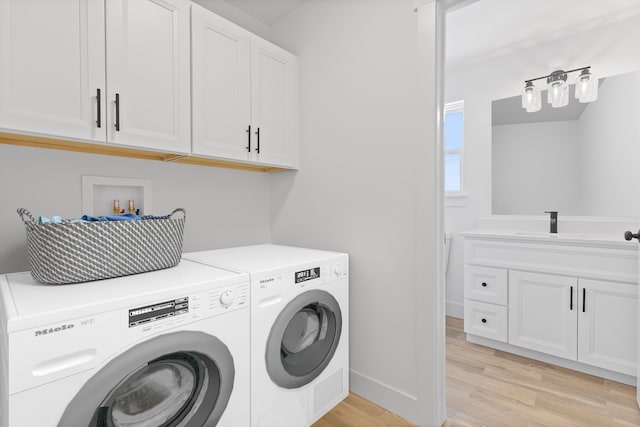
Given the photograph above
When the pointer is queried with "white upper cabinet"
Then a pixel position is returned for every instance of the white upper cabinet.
(132, 73)
(52, 66)
(148, 73)
(244, 94)
(221, 86)
(54, 79)
(273, 106)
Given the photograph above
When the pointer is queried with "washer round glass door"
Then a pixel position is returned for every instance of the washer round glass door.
(182, 379)
(303, 339)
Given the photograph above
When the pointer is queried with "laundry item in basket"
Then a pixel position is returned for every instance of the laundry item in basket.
(45, 220)
(55, 220)
(91, 218)
(120, 217)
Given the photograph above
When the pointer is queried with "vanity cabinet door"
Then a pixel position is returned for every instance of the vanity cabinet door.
(543, 313)
(607, 325)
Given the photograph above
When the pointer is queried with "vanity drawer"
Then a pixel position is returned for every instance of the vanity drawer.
(485, 284)
(485, 320)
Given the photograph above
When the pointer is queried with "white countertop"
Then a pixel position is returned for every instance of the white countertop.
(561, 238)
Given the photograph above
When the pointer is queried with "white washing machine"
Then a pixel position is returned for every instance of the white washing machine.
(299, 330)
(164, 348)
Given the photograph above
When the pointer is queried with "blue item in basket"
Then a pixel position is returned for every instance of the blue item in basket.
(55, 220)
(45, 220)
(120, 217)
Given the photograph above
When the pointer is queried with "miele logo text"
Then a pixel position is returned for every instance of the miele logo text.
(54, 330)
(271, 279)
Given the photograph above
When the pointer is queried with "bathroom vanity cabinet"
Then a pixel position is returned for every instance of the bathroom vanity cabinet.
(563, 299)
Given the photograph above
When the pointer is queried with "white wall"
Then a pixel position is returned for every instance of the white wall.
(536, 168)
(610, 141)
(367, 166)
(368, 185)
(224, 207)
(236, 16)
(610, 50)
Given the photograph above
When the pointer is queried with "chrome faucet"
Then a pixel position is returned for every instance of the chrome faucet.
(553, 221)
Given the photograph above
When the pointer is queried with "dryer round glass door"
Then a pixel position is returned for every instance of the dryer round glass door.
(303, 339)
(180, 379)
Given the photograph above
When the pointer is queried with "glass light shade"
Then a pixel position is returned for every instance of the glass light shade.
(586, 87)
(558, 94)
(531, 99)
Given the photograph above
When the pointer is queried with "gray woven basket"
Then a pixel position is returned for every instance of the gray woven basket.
(61, 253)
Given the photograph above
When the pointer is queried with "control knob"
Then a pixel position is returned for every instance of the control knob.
(336, 270)
(227, 298)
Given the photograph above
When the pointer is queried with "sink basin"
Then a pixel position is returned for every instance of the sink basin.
(540, 236)
(553, 235)
(533, 234)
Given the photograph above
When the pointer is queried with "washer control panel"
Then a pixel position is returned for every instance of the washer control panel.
(158, 311)
(187, 308)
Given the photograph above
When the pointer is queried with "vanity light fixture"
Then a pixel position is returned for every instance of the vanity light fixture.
(558, 89)
(531, 99)
(586, 86)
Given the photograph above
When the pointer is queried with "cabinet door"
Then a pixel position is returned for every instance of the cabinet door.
(543, 313)
(273, 104)
(52, 65)
(148, 72)
(221, 55)
(607, 325)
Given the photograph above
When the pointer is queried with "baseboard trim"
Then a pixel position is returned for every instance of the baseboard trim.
(455, 309)
(390, 398)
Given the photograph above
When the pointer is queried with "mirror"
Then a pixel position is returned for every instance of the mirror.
(579, 160)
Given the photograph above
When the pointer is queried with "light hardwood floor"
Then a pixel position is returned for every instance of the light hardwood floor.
(487, 387)
(355, 411)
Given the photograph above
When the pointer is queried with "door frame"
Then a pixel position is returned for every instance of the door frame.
(430, 326)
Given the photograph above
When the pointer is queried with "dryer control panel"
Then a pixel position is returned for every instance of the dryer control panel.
(340, 269)
(304, 276)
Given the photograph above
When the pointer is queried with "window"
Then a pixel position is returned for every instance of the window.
(453, 146)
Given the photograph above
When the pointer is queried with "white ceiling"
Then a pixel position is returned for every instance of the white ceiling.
(488, 28)
(267, 11)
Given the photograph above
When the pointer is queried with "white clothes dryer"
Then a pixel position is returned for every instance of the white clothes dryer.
(166, 348)
(299, 330)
